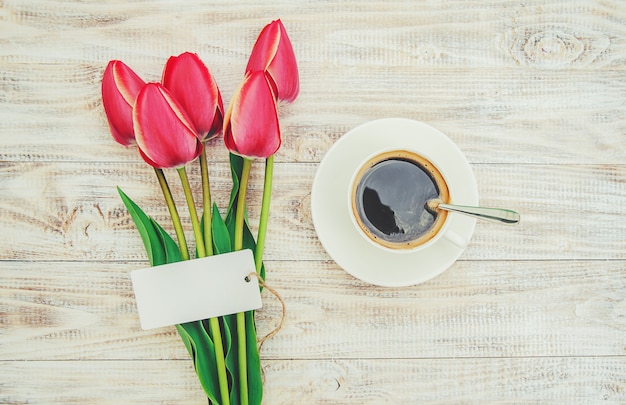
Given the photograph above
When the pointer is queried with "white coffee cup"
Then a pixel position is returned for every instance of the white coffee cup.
(387, 198)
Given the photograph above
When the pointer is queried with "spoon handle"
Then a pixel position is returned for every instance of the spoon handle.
(493, 214)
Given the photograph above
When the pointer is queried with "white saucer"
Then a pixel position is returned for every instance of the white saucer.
(331, 215)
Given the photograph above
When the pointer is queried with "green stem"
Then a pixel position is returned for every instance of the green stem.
(206, 204)
(265, 211)
(216, 333)
(213, 322)
(171, 206)
(241, 203)
(243, 358)
(241, 320)
(192, 212)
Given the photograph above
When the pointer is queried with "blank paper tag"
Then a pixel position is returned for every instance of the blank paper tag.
(196, 289)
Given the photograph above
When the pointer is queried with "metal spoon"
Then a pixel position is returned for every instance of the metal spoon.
(494, 214)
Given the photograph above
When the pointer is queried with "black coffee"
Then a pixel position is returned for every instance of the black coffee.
(390, 200)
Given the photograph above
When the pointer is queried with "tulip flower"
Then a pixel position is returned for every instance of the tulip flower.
(251, 130)
(164, 134)
(273, 53)
(192, 85)
(120, 86)
(251, 125)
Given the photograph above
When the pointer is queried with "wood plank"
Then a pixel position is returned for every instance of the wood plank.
(525, 81)
(568, 211)
(61, 311)
(484, 111)
(577, 34)
(332, 381)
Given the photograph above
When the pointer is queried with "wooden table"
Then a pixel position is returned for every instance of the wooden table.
(534, 93)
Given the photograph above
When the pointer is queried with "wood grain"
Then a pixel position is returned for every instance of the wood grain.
(508, 77)
(335, 381)
(487, 111)
(532, 92)
(79, 310)
(568, 211)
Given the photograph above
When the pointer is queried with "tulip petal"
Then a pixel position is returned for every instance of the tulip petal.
(128, 82)
(274, 53)
(192, 85)
(162, 129)
(284, 70)
(264, 49)
(146, 158)
(251, 126)
(120, 86)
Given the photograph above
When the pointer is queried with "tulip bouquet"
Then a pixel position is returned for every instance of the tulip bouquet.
(170, 123)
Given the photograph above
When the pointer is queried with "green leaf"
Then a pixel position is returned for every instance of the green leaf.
(184, 336)
(162, 249)
(250, 243)
(236, 168)
(204, 358)
(255, 376)
(221, 237)
(230, 355)
(248, 239)
(172, 251)
(149, 235)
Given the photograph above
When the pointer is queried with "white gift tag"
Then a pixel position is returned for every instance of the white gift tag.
(196, 289)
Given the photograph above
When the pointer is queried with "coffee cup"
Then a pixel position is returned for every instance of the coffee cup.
(387, 200)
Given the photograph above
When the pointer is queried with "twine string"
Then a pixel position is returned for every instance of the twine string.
(275, 293)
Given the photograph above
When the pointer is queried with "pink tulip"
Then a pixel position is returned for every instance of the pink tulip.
(193, 86)
(251, 124)
(273, 53)
(164, 134)
(120, 86)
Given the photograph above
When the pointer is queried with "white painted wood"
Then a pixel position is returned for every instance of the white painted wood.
(568, 211)
(328, 381)
(532, 92)
(86, 310)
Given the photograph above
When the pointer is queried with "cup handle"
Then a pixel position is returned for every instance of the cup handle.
(455, 239)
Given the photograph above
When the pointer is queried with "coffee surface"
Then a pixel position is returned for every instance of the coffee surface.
(390, 200)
